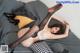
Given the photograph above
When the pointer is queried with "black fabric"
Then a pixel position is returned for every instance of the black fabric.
(40, 12)
(72, 43)
(41, 47)
(35, 10)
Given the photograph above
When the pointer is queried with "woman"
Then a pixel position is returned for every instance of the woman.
(55, 31)
(44, 34)
(49, 32)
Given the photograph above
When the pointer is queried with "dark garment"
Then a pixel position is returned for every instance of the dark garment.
(72, 43)
(41, 47)
(35, 10)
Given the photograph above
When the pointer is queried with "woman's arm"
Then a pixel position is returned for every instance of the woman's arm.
(46, 34)
(46, 25)
(57, 18)
(62, 35)
(27, 42)
(61, 19)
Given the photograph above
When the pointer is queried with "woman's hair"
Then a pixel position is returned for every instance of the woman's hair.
(61, 26)
(56, 23)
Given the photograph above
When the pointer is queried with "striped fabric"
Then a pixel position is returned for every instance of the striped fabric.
(41, 47)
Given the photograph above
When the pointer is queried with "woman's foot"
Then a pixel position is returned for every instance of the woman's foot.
(54, 8)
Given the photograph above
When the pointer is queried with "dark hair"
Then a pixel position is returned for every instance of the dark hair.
(61, 26)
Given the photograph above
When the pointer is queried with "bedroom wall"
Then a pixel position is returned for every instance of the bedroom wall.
(71, 13)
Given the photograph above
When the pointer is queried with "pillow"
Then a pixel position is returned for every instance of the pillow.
(23, 20)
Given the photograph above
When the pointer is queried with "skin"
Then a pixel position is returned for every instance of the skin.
(28, 42)
(54, 29)
(47, 34)
(50, 10)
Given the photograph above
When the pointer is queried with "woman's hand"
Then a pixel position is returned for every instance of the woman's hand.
(46, 34)
(66, 24)
(28, 42)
